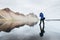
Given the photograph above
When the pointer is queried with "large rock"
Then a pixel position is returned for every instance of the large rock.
(10, 19)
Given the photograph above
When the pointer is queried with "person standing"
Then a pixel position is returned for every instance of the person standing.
(42, 18)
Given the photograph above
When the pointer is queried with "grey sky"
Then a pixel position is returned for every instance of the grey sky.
(49, 7)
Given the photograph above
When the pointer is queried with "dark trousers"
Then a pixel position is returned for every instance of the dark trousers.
(42, 27)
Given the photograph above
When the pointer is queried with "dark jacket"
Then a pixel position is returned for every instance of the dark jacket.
(42, 16)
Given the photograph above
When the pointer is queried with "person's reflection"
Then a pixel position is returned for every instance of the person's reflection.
(42, 18)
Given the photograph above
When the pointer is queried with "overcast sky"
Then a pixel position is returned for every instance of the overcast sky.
(51, 8)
